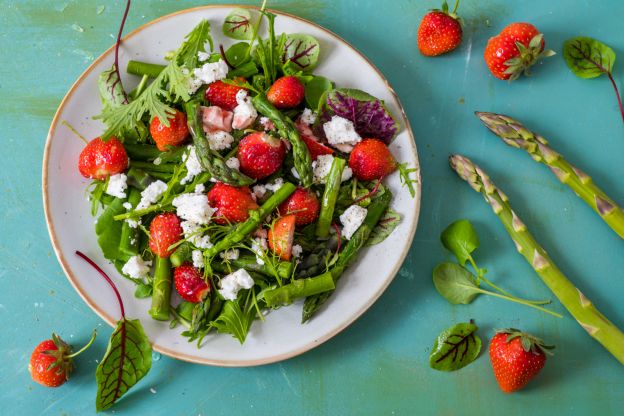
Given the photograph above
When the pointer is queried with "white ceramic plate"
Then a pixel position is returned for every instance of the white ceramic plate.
(281, 336)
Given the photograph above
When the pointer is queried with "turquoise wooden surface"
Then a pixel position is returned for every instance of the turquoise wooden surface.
(378, 365)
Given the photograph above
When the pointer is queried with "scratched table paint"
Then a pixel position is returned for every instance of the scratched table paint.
(378, 365)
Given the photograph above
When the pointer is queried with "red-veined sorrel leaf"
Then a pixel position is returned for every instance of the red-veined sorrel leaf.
(302, 50)
(237, 24)
(455, 347)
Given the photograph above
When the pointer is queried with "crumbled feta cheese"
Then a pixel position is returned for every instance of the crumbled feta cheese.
(240, 96)
(339, 130)
(351, 220)
(193, 207)
(321, 167)
(194, 235)
(132, 223)
(220, 140)
(151, 194)
(244, 113)
(203, 56)
(193, 167)
(259, 190)
(198, 258)
(127, 206)
(297, 250)
(117, 185)
(233, 163)
(211, 72)
(258, 247)
(267, 124)
(200, 188)
(308, 116)
(136, 267)
(157, 161)
(295, 173)
(231, 254)
(234, 282)
(275, 185)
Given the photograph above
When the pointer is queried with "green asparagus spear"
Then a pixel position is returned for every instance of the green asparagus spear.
(348, 255)
(148, 166)
(248, 262)
(255, 219)
(581, 308)
(328, 203)
(130, 237)
(161, 294)
(211, 161)
(144, 68)
(181, 255)
(300, 288)
(516, 135)
(138, 178)
(286, 128)
(149, 152)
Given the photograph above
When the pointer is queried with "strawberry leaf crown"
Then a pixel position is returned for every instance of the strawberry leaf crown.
(63, 359)
(445, 10)
(527, 57)
(529, 342)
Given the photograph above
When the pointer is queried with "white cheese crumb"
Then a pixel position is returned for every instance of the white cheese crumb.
(351, 220)
(308, 116)
(259, 190)
(136, 267)
(157, 161)
(297, 250)
(233, 163)
(267, 124)
(193, 234)
(151, 194)
(231, 254)
(203, 56)
(339, 130)
(127, 206)
(244, 113)
(234, 282)
(295, 173)
(193, 167)
(258, 247)
(321, 167)
(117, 185)
(193, 207)
(200, 188)
(198, 258)
(220, 140)
(132, 223)
(275, 185)
(210, 72)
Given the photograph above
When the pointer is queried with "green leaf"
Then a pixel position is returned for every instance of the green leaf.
(111, 91)
(315, 89)
(587, 57)
(143, 291)
(127, 360)
(194, 43)
(456, 284)
(461, 239)
(237, 54)
(455, 348)
(237, 24)
(384, 227)
(109, 231)
(302, 50)
(233, 320)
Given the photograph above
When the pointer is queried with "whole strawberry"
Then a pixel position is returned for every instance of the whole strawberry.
(304, 204)
(516, 358)
(173, 135)
(260, 155)
(189, 283)
(233, 203)
(165, 230)
(439, 31)
(286, 92)
(100, 158)
(371, 159)
(223, 95)
(512, 52)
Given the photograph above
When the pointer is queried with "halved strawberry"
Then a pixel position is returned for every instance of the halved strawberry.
(315, 148)
(232, 203)
(165, 230)
(174, 135)
(260, 155)
(281, 236)
(286, 92)
(304, 204)
(190, 284)
(222, 94)
(100, 158)
(371, 159)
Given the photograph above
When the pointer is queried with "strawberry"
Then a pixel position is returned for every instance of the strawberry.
(315, 148)
(223, 95)
(304, 204)
(100, 158)
(281, 236)
(439, 31)
(371, 159)
(174, 135)
(189, 283)
(165, 230)
(232, 203)
(286, 92)
(513, 51)
(260, 155)
(516, 358)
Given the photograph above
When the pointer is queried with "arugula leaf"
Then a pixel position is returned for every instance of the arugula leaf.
(455, 283)
(461, 239)
(237, 24)
(384, 227)
(315, 89)
(455, 347)
(127, 359)
(234, 320)
(302, 50)
(587, 57)
(109, 231)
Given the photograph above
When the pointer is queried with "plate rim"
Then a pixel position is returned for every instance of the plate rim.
(191, 358)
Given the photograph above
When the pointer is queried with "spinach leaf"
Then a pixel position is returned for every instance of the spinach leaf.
(302, 50)
(455, 347)
(237, 24)
(455, 283)
(315, 89)
(143, 290)
(109, 231)
(461, 239)
(234, 320)
(384, 227)
(237, 55)
(127, 359)
(587, 57)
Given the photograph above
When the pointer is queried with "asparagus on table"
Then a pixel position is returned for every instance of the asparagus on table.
(328, 203)
(581, 308)
(516, 135)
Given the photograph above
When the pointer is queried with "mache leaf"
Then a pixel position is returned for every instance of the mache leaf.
(233, 320)
(455, 347)
(587, 57)
(302, 50)
(109, 231)
(315, 89)
(127, 359)
(455, 283)
(237, 24)
(236, 54)
(384, 227)
(461, 239)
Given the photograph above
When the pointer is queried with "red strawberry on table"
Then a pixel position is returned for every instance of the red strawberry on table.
(516, 358)
(286, 92)
(303, 204)
(260, 155)
(190, 284)
(281, 236)
(165, 230)
(173, 135)
(439, 31)
(512, 52)
(223, 95)
(100, 158)
(371, 159)
(233, 203)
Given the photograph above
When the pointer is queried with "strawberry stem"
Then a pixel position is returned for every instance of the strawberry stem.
(81, 350)
(456, 6)
(108, 279)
